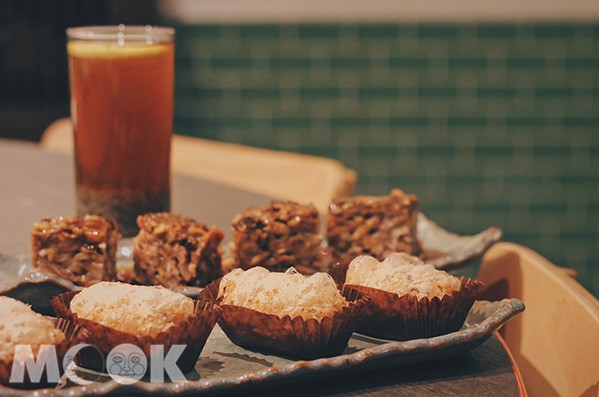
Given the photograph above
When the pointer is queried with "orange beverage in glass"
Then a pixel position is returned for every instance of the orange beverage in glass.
(121, 81)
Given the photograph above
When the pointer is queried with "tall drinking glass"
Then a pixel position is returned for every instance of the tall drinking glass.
(121, 81)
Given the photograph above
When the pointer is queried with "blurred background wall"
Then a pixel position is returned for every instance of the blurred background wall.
(488, 111)
(34, 81)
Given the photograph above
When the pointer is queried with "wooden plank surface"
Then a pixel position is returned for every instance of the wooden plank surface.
(484, 371)
(35, 184)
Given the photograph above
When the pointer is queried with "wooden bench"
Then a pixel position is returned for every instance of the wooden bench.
(278, 174)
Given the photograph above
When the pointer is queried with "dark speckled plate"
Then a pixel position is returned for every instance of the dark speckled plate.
(446, 250)
(35, 288)
(224, 367)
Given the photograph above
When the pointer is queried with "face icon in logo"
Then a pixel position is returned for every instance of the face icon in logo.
(82, 377)
(126, 363)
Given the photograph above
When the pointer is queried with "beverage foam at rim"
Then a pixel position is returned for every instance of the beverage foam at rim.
(94, 49)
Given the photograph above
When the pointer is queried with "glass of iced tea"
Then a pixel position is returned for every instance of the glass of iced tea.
(121, 81)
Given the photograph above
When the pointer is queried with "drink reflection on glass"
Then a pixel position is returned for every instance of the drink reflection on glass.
(121, 80)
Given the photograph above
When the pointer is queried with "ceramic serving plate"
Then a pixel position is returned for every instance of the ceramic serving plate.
(224, 367)
(441, 248)
(448, 251)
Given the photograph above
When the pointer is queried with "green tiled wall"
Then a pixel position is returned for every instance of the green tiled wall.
(490, 124)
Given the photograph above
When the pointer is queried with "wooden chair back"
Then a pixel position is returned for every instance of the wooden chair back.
(555, 342)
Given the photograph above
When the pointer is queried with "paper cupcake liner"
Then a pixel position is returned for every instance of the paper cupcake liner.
(286, 336)
(338, 271)
(193, 333)
(74, 334)
(389, 316)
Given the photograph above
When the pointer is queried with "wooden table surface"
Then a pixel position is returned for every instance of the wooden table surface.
(36, 184)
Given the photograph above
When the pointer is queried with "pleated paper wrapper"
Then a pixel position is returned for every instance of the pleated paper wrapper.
(74, 335)
(285, 336)
(193, 333)
(390, 316)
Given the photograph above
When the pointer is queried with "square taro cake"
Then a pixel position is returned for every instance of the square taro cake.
(174, 251)
(78, 249)
(278, 236)
(372, 225)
